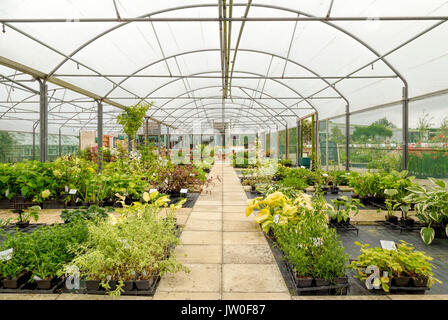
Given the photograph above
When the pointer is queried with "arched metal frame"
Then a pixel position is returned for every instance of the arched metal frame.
(306, 99)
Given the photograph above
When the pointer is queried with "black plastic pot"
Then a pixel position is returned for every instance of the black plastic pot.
(419, 282)
(52, 204)
(341, 280)
(392, 219)
(401, 281)
(128, 285)
(22, 225)
(46, 284)
(407, 221)
(334, 190)
(321, 283)
(92, 285)
(304, 282)
(439, 232)
(144, 284)
(15, 282)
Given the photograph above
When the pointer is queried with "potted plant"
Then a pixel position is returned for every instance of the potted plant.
(391, 205)
(24, 216)
(431, 206)
(341, 209)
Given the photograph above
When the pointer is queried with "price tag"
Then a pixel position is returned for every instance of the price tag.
(388, 245)
(183, 191)
(72, 191)
(37, 278)
(192, 174)
(6, 255)
(152, 190)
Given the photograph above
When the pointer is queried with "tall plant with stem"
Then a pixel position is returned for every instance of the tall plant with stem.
(132, 119)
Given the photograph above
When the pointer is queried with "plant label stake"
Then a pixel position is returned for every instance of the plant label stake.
(388, 245)
(184, 192)
(72, 191)
(6, 255)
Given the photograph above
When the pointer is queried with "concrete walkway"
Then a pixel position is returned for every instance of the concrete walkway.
(227, 254)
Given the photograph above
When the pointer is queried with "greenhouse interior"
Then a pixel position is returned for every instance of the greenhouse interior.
(224, 150)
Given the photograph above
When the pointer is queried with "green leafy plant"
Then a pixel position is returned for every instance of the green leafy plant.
(403, 261)
(132, 119)
(342, 207)
(431, 206)
(92, 213)
(135, 245)
(26, 215)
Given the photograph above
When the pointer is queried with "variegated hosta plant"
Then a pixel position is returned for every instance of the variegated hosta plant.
(431, 206)
(277, 208)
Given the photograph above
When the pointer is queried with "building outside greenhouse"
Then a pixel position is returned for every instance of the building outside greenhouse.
(224, 150)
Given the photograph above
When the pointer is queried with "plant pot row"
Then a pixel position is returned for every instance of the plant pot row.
(19, 281)
(128, 285)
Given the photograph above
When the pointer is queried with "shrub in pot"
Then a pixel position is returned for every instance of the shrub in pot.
(130, 247)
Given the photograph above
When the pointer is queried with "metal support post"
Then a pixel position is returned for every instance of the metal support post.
(43, 122)
(34, 139)
(405, 127)
(159, 128)
(100, 134)
(347, 138)
(299, 141)
(286, 142)
(60, 142)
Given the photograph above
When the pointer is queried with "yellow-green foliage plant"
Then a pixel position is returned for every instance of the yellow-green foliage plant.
(403, 261)
(136, 245)
(277, 208)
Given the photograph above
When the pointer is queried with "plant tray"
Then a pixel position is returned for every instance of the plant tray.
(344, 227)
(343, 288)
(134, 292)
(31, 287)
(400, 226)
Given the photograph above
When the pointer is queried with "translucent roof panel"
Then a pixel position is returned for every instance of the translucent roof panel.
(287, 61)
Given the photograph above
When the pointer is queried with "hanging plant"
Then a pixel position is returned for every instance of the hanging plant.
(133, 118)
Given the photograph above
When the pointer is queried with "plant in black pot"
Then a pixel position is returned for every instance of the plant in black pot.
(339, 212)
(24, 216)
(391, 205)
(405, 219)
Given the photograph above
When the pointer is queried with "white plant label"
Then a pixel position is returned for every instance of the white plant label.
(6, 255)
(72, 281)
(6, 192)
(66, 188)
(317, 242)
(37, 278)
(276, 218)
(192, 174)
(388, 245)
(183, 190)
(325, 174)
(72, 191)
(152, 190)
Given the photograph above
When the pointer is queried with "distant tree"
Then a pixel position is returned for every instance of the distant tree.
(371, 132)
(6, 142)
(336, 135)
(385, 122)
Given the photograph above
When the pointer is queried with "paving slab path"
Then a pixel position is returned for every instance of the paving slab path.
(227, 254)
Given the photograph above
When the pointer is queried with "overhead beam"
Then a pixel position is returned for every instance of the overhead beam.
(219, 77)
(223, 19)
(40, 75)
